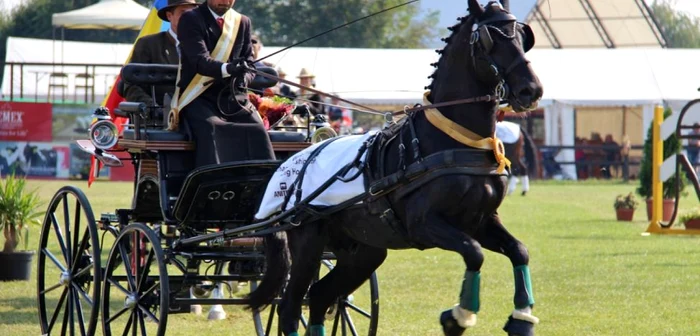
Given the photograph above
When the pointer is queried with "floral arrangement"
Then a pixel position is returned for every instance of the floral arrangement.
(271, 109)
(626, 202)
(690, 215)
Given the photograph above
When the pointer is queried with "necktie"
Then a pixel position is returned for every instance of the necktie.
(220, 21)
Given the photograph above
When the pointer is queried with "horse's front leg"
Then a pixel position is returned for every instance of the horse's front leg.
(434, 231)
(495, 237)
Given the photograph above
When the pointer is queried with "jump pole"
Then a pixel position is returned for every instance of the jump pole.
(661, 171)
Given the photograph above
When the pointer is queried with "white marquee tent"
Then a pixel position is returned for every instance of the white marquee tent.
(112, 14)
(572, 78)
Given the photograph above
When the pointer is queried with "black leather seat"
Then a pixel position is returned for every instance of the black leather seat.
(155, 135)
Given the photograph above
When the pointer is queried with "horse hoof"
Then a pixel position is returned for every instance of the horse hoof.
(524, 193)
(515, 327)
(215, 315)
(196, 309)
(450, 327)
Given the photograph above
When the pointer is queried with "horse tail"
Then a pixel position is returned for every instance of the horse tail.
(277, 258)
(530, 152)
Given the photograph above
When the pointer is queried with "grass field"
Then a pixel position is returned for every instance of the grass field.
(591, 274)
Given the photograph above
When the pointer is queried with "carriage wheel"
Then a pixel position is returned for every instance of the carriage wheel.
(135, 293)
(346, 317)
(68, 269)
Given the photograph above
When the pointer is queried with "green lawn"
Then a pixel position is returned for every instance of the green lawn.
(591, 274)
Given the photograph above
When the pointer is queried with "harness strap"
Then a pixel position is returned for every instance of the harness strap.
(473, 158)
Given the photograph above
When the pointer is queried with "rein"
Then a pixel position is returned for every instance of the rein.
(479, 99)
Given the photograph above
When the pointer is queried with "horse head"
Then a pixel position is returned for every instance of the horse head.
(485, 55)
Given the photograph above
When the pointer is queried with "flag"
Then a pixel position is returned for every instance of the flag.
(152, 25)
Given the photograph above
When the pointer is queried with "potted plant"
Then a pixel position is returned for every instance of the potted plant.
(691, 219)
(625, 206)
(672, 146)
(18, 210)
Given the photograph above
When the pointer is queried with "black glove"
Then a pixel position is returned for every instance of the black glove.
(238, 67)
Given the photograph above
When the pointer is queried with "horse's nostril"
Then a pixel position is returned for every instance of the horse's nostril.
(525, 92)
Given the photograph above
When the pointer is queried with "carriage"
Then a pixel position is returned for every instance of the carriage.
(169, 248)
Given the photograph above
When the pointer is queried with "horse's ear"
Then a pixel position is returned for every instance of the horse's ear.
(475, 8)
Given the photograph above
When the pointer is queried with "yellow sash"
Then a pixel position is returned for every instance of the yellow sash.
(465, 136)
(222, 52)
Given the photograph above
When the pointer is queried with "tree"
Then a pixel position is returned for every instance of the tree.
(681, 30)
(672, 146)
(282, 23)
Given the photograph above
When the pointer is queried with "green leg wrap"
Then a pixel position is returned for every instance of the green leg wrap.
(523, 288)
(294, 334)
(469, 297)
(316, 330)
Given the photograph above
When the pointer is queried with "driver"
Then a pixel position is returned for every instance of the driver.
(215, 41)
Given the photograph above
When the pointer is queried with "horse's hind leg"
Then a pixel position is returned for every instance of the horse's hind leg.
(306, 245)
(495, 237)
(436, 232)
(352, 269)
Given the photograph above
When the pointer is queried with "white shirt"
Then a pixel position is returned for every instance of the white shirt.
(224, 73)
(172, 33)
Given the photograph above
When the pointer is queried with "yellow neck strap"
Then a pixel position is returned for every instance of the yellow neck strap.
(465, 136)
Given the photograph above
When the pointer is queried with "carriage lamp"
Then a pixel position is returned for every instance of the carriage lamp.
(103, 132)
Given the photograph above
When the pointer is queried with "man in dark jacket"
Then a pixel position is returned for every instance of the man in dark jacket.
(215, 43)
(159, 48)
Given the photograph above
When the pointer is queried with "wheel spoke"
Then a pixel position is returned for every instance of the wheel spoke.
(150, 290)
(128, 326)
(144, 272)
(270, 319)
(66, 222)
(53, 259)
(116, 284)
(127, 265)
(84, 270)
(348, 319)
(50, 288)
(142, 322)
(82, 248)
(135, 324)
(65, 313)
(58, 309)
(76, 235)
(358, 310)
(59, 236)
(335, 323)
(116, 316)
(79, 310)
(83, 294)
(150, 315)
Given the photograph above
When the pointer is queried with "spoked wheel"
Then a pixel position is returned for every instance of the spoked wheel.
(357, 314)
(68, 269)
(135, 293)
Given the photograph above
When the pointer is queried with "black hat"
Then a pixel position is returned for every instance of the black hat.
(172, 4)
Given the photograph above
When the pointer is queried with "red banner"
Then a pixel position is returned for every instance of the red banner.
(25, 121)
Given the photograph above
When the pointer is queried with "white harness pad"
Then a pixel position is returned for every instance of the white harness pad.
(331, 159)
(508, 132)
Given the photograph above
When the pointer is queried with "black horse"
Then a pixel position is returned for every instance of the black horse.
(432, 184)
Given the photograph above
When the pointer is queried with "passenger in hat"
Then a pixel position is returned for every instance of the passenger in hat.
(159, 48)
(283, 89)
(306, 78)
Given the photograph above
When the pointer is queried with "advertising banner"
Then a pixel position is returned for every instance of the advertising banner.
(25, 122)
(35, 159)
